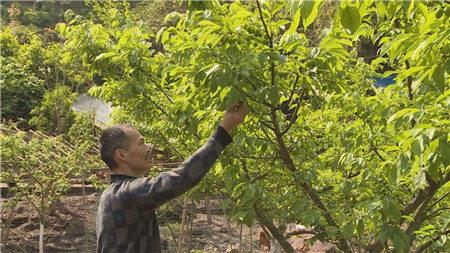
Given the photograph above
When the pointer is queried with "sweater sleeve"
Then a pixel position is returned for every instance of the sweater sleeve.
(150, 193)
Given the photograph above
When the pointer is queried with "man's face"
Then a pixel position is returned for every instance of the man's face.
(137, 153)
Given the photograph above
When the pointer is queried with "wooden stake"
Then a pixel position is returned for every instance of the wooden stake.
(183, 220)
(208, 210)
(240, 238)
(251, 239)
(191, 225)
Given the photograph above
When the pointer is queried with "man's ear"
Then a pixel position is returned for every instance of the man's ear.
(120, 155)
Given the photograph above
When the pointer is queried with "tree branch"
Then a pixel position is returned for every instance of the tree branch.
(297, 77)
(266, 222)
(269, 37)
(428, 243)
(439, 199)
(376, 151)
(291, 121)
(437, 212)
(343, 245)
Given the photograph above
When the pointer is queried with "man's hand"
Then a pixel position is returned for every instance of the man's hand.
(234, 116)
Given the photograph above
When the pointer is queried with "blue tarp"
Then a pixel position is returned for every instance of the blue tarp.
(383, 82)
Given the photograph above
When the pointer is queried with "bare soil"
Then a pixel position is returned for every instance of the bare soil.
(71, 228)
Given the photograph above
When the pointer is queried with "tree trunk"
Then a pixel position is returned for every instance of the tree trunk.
(7, 226)
(265, 221)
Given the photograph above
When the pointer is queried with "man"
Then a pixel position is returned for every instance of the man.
(126, 219)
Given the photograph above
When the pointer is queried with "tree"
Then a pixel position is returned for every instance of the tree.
(368, 170)
(21, 87)
(55, 114)
(31, 73)
(39, 167)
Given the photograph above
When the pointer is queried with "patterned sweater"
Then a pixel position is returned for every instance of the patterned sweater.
(126, 219)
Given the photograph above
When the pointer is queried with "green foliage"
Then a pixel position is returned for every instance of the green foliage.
(153, 13)
(54, 114)
(21, 88)
(37, 168)
(366, 167)
(40, 167)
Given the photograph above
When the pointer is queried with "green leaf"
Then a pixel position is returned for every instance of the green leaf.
(133, 58)
(439, 77)
(394, 172)
(420, 180)
(350, 18)
(417, 146)
(309, 10)
(444, 150)
(293, 7)
(403, 162)
(390, 209)
(295, 22)
(360, 227)
(274, 95)
(248, 218)
(104, 56)
(348, 229)
(212, 69)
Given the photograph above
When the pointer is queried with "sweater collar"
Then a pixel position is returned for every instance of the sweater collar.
(120, 177)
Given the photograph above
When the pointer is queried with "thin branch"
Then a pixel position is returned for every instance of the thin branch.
(297, 77)
(258, 158)
(257, 78)
(437, 212)
(291, 121)
(441, 198)
(372, 146)
(161, 90)
(247, 95)
(269, 37)
(155, 104)
(428, 243)
(302, 231)
(266, 125)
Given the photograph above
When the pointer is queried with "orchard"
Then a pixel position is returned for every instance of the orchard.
(367, 167)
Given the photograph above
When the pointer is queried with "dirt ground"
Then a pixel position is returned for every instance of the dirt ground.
(71, 228)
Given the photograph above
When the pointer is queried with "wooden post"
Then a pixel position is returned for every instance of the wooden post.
(172, 233)
(191, 225)
(183, 220)
(41, 237)
(208, 209)
(251, 239)
(240, 239)
(83, 190)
